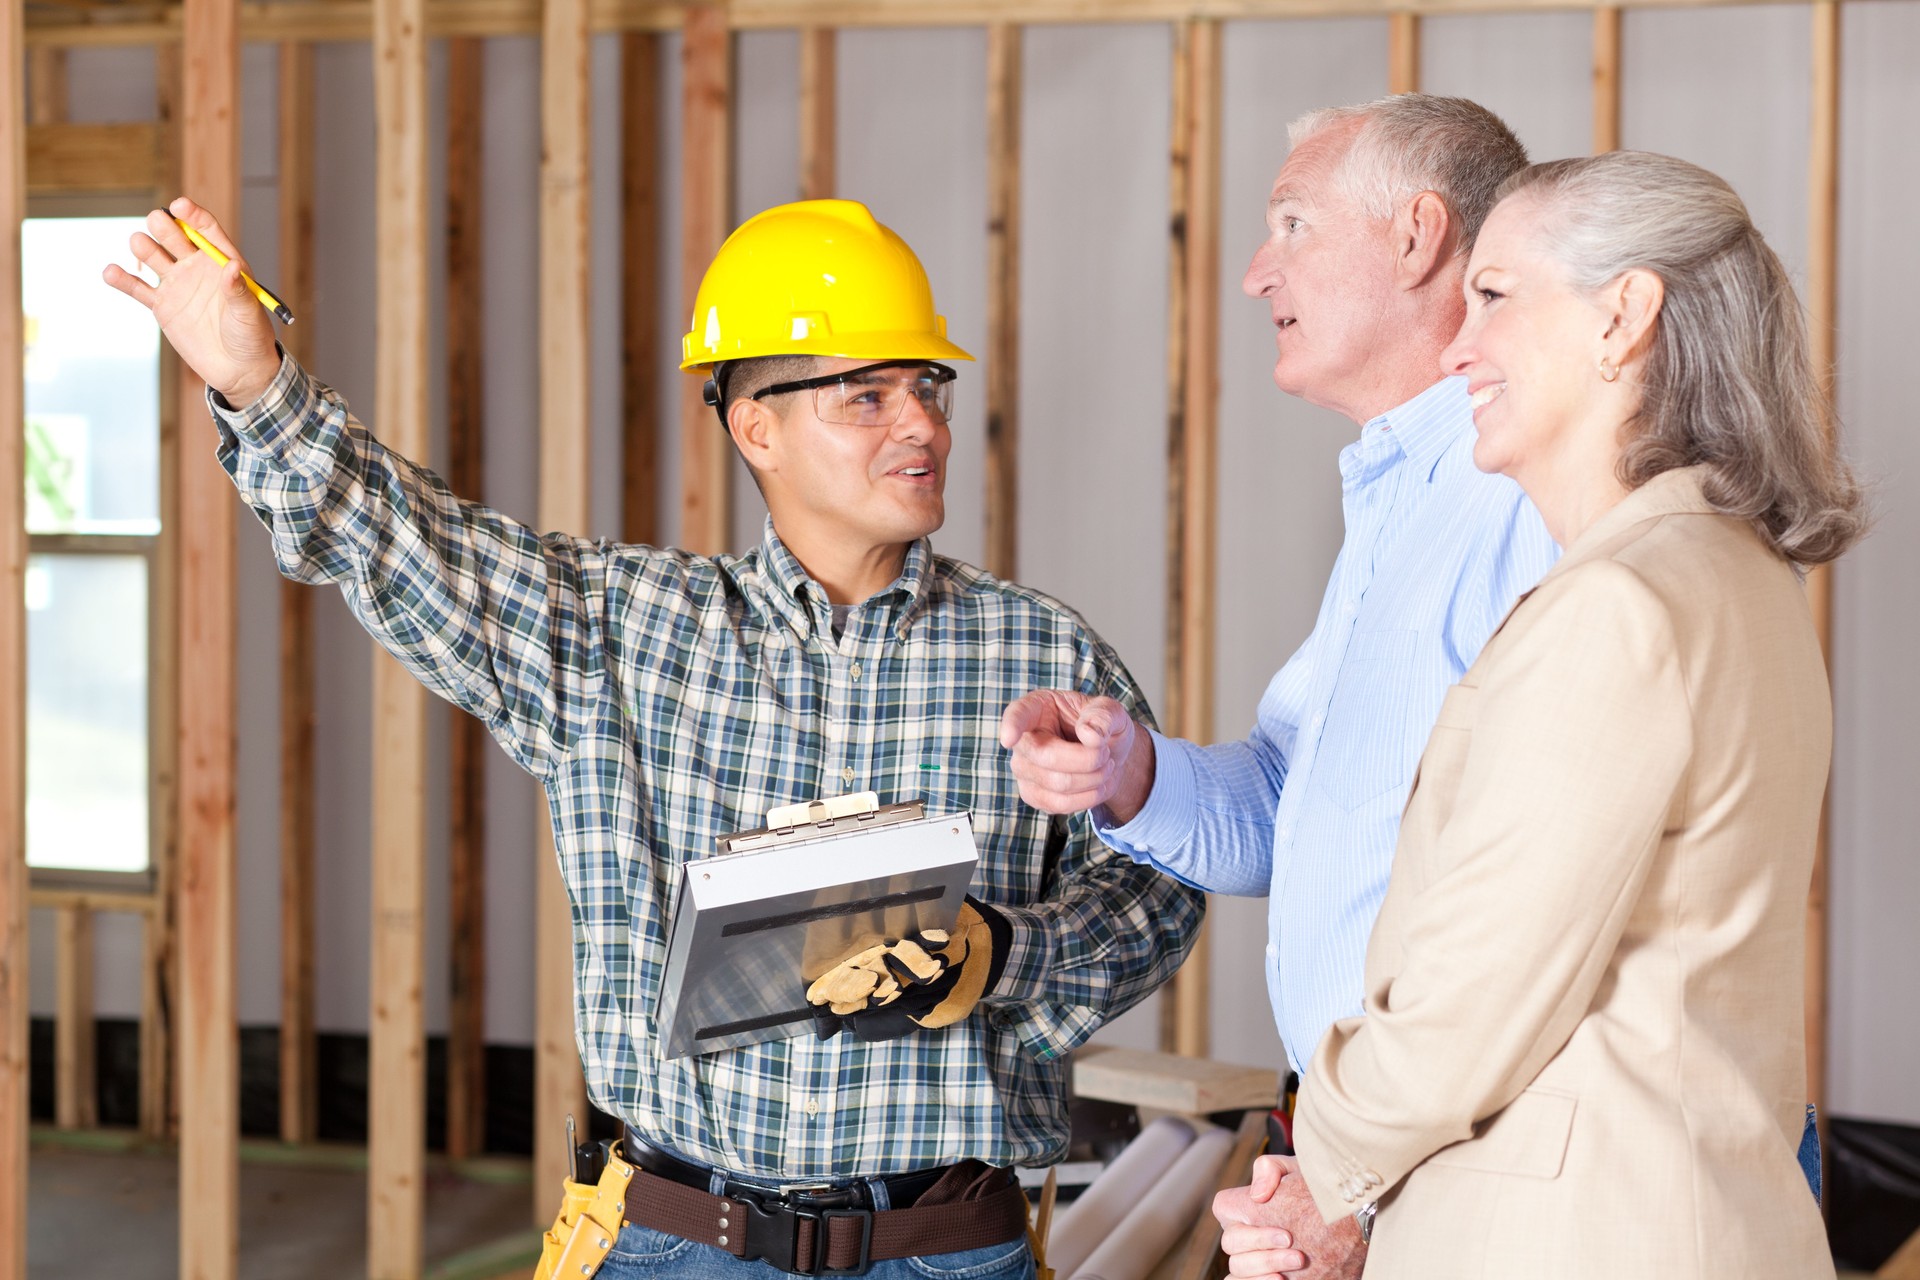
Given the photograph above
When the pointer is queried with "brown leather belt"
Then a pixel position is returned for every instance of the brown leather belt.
(827, 1232)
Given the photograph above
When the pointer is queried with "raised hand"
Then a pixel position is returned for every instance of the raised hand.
(206, 311)
(1071, 751)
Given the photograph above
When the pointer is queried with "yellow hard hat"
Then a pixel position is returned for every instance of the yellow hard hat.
(816, 278)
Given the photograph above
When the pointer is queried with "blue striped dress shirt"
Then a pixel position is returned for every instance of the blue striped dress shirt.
(1306, 809)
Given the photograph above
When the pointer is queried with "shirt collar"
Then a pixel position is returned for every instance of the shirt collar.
(804, 603)
(1425, 426)
(1675, 492)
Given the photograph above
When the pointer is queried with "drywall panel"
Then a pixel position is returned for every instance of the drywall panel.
(1874, 1014)
(1533, 70)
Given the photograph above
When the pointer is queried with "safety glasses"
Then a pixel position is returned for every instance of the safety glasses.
(875, 395)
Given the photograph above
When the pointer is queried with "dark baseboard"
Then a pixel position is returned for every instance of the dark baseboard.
(342, 1077)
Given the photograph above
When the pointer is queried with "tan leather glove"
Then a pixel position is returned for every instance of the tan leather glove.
(931, 980)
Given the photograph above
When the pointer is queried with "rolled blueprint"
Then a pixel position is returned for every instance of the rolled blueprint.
(1163, 1216)
(1082, 1225)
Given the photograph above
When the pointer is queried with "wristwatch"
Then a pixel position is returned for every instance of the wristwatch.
(1363, 1218)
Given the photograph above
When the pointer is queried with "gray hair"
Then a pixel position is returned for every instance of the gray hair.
(1414, 142)
(1729, 382)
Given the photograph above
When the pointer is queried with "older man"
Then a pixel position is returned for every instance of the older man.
(1369, 224)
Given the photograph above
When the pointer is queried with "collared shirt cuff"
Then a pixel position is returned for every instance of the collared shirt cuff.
(1029, 958)
(272, 422)
(1166, 821)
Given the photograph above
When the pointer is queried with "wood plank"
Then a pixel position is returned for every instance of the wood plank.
(351, 20)
(65, 158)
(14, 949)
(641, 350)
(1403, 53)
(94, 900)
(819, 125)
(208, 1036)
(1004, 44)
(1606, 79)
(159, 972)
(46, 89)
(1201, 1258)
(1823, 199)
(299, 1093)
(565, 463)
(1905, 1262)
(466, 471)
(397, 1119)
(1192, 426)
(73, 1040)
(706, 167)
(1171, 1082)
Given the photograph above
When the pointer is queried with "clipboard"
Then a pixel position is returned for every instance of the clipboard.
(779, 905)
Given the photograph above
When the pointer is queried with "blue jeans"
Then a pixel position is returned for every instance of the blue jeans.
(1810, 1152)
(641, 1253)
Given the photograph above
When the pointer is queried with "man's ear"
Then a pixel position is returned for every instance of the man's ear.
(1423, 239)
(1631, 303)
(753, 426)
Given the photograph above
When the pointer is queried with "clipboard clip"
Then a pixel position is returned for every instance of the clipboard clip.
(822, 813)
(814, 819)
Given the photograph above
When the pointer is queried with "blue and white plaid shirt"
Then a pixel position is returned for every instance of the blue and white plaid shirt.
(664, 699)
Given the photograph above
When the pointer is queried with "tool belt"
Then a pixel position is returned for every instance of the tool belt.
(803, 1230)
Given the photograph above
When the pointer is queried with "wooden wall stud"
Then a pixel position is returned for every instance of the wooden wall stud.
(1004, 42)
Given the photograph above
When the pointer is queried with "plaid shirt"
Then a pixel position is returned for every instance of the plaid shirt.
(664, 699)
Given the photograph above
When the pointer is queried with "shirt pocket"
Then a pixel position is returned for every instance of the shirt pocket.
(1378, 716)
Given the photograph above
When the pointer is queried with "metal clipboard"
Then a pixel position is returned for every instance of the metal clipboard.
(781, 904)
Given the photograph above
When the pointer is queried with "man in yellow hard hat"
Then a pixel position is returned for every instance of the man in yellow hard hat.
(665, 698)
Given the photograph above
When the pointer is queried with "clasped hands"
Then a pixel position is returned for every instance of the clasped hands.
(1272, 1228)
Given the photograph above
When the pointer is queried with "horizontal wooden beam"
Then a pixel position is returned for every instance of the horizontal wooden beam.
(93, 157)
(94, 900)
(331, 20)
(1170, 1082)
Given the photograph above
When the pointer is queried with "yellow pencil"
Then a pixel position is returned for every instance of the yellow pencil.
(267, 299)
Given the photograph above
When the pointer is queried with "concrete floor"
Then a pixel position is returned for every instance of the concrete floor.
(115, 1214)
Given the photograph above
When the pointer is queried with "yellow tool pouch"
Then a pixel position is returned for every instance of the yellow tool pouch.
(588, 1223)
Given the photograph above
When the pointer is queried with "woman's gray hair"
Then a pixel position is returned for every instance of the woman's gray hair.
(1728, 381)
(1414, 142)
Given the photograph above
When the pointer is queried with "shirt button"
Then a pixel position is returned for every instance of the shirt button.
(846, 775)
(1285, 834)
(856, 671)
(813, 1106)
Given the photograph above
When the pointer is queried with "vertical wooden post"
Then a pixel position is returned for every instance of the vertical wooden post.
(1193, 391)
(565, 461)
(467, 736)
(13, 665)
(160, 968)
(706, 54)
(1823, 198)
(1403, 53)
(397, 1118)
(818, 113)
(640, 350)
(299, 1096)
(1004, 44)
(73, 1052)
(1606, 79)
(209, 1041)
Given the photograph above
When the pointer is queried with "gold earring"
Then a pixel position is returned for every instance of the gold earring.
(1607, 372)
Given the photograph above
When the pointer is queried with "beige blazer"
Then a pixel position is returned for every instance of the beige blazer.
(1583, 1050)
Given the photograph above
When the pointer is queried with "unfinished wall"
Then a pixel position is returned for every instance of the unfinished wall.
(1725, 87)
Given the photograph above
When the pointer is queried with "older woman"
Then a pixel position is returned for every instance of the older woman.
(1582, 1053)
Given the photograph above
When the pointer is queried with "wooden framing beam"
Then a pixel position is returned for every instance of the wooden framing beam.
(299, 1094)
(565, 466)
(93, 157)
(1606, 79)
(351, 20)
(466, 472)
(160, 969)
(706, 166)
(1193, 395)
(397, 1119)
(1004, 44)
(640, 295)
(46, 87)
(1823, 265)
(73, 1048)
(209, 1038)
(1403, 52)
(819, 127)
(1905, 1262)
(14, 949)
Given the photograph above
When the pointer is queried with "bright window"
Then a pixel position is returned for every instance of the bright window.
(93, 517)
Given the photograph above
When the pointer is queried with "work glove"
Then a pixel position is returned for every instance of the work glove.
(930, 979)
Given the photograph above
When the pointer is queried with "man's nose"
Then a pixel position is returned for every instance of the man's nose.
(915, 425)
(1263, 275)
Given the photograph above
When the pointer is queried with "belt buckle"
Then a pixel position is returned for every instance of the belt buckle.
(773, 1235)
(820, 1267)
